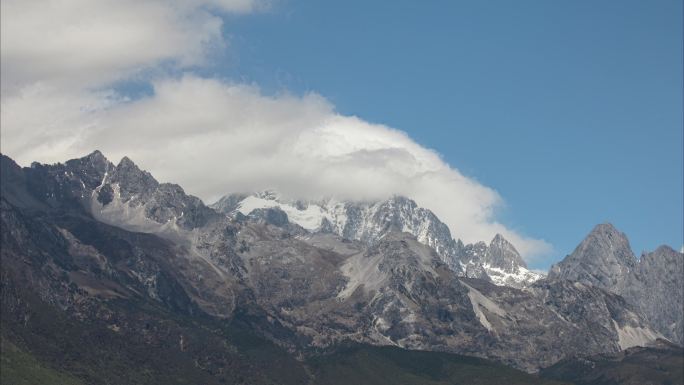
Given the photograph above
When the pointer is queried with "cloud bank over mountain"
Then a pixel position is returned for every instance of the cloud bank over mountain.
(210, 135)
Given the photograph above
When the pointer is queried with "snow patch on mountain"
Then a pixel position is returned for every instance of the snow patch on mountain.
(309, 217)
(520, 277)
(368, 222)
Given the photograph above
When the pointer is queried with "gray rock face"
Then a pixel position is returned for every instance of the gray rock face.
(504, 266)
(369, 222)
(316, 289)
(399, 292)
(133, 181)
(501, 254)
(654, 284)
(66, 185)
(472, 257)
(603, 259)
(14, 186)
(273, 216)
(575, 317)
(229, 203)
(364, 221)
(125, 188)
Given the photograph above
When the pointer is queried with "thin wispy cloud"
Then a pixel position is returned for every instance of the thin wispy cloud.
(210, 135)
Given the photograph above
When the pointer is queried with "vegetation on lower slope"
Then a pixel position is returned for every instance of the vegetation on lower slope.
(147, 350)
(58, 349)
(657, 365)
(360, 365)
(371, 365)
(20, 368)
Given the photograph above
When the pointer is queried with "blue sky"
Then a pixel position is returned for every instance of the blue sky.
(571, 110)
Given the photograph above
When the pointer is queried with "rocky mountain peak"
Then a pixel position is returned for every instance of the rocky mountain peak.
(95, 158)
(127, 166)
(605, 227)
(8, 166)
(97, 155)
(663, 258)
(369, 222)
(90, 168)
(653, 283)
(607, 239)
(498, 238)
(127, 162)
(131, 179)
(656, 287)
(498, 262)
(503, 255)
(666, 250)
(604, 259)
(127, 196)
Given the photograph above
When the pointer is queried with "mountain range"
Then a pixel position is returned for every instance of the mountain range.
(368, 222)
(107, 268)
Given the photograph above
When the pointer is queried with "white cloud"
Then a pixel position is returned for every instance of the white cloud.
(44, 123)
(214, 138)
(86, 43)
(210, 136)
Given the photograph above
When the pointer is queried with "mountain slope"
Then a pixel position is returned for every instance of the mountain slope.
(388, 365)
(661, 364)
(101, 305)
(161, 269)
(603, 259)
(500, 262)
(368, 222)
(20, 368)
(654, 284)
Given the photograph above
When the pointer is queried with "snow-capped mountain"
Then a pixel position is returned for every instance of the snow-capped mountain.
(504, 265)
(364, 221)
(368, 222)
(87, 235)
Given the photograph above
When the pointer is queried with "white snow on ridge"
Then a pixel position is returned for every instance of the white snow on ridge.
(501, 277)
(369, 221)
(309, 218)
